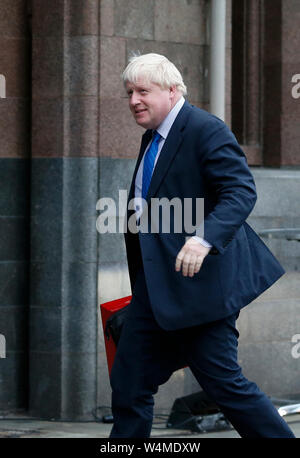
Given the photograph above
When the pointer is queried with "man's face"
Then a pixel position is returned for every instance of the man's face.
(148, 103)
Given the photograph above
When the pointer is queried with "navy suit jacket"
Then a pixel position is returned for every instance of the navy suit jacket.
(201, 158)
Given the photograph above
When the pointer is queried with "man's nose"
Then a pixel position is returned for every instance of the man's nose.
(134, 100)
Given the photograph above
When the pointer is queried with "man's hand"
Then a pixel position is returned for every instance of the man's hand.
(191, 257)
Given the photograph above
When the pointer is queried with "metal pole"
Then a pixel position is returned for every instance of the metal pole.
(217, 57)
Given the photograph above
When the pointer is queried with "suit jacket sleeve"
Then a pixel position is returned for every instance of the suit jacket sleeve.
(229, 183)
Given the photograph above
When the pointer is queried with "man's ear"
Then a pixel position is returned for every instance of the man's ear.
(173, 91)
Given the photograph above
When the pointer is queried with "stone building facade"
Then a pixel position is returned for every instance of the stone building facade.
(67, 139)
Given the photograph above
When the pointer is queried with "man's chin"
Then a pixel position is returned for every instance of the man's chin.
(144, 124)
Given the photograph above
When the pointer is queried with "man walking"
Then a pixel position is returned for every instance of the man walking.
(187, 291)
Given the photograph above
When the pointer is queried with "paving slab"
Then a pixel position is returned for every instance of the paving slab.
(31, 428)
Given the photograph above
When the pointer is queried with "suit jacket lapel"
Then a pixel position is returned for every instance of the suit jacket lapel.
(167, 153)
(145, 140)
(169, 150)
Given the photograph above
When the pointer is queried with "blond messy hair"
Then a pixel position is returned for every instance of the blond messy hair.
(155, 68)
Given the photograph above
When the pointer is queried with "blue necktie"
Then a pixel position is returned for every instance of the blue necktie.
(149, 163)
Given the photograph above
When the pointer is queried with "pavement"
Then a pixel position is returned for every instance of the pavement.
(21, 426)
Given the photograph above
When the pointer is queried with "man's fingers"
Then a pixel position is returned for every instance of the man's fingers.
(179, 259)
(188, 262)
(198, 264)
(185, 264)
(192, 266)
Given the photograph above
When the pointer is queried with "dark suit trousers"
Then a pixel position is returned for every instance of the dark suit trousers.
(147, 356)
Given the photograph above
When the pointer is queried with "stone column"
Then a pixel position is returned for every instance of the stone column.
(64, 181)
(14, 201)
(247, 77)
(281, 62)
(272, 82)
(290, 66)
(253, 74)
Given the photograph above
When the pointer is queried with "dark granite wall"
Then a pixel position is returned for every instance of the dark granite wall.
(14, 202)
(64, 191)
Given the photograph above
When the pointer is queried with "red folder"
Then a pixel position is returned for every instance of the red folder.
(107, 310)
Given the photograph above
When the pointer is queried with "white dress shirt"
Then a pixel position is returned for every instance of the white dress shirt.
(163, 129)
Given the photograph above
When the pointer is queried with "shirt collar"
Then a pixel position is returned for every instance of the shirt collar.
(165, 126)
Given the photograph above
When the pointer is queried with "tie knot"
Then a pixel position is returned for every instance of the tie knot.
(155, 136)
